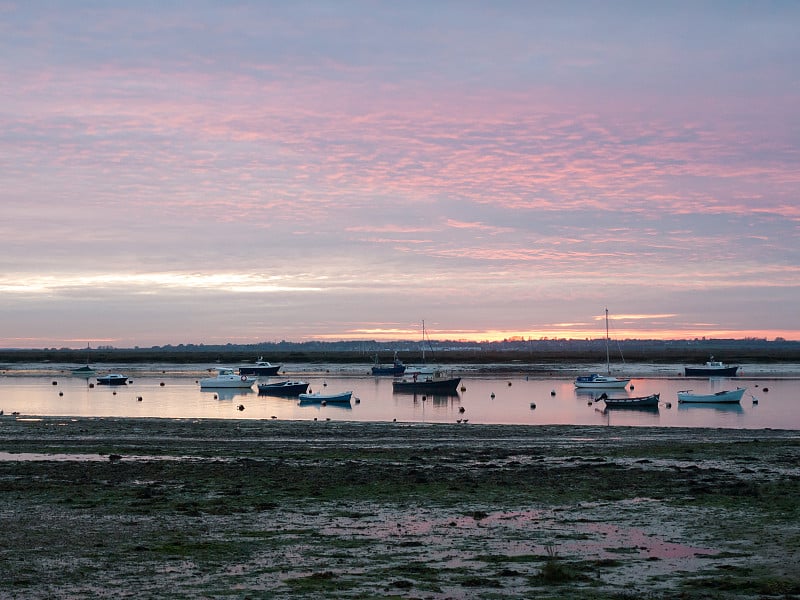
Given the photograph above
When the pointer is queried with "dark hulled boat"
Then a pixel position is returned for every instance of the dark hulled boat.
(112, 379)
(429, 385)
(396, 368)
(650, 401)
(712, 368)
(260, 368)
(283, 388)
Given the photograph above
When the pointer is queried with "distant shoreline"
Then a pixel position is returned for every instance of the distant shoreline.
(562, 370)
(541, 355)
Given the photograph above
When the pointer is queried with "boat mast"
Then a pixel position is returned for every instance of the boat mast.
(608, 360)
(423, 341)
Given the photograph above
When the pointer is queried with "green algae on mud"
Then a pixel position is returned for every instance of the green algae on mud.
(312, 509)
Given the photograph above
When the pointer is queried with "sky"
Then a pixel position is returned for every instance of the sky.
(196, 172)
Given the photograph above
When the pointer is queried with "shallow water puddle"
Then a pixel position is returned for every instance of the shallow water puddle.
(518, 532)
(41, 456)
(615, 540)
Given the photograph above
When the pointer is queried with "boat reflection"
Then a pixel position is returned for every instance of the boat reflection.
(318, 406)
(435, 400)
(622, 407)
(597, 392)
(723, 407)
(227, 393)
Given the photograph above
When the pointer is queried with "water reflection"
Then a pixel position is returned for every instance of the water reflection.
(437, 400)
(596, 393)
(485, 399)
(440, 393)
(643, 409)
(317, 406)
(228, 393)
(729, 407)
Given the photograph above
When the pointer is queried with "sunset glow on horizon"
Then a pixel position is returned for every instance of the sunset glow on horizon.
(251, 172)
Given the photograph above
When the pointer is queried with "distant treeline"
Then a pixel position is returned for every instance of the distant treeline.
(442, 352)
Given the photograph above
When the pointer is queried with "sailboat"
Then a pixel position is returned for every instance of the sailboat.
(423, 369)
(85, 371)
(595, 380)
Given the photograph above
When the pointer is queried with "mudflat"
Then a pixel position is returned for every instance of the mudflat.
(147, 508)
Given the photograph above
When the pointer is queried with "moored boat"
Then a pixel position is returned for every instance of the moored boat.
(595, 380)
(423, 369)
(85, 371)
(428, 385)
(420, 370)
(226, 378)
(320, 398)
(261, 368)
(725, 396)
(112, 379)
(396, 368)
(712, 368)
(650, 401)
(283, 388)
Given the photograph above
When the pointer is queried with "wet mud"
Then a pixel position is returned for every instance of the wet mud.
(147, 508)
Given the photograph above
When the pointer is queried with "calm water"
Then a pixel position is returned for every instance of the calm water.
(490, 400)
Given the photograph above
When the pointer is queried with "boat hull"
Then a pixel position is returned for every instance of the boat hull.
(319, 398)
(423, 371)
(640, 402)
(724, 397)
(261, 371)
(283, 388)
(227, 381)
(112, 380)
(601, 382)
(711, 371)
(427, 386)
(389, 370)
(86, 371)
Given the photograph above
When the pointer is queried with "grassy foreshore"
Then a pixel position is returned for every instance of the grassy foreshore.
(155, 508)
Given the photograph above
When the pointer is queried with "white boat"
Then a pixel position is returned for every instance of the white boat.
(725, 396)
(595, 380)
(226, 378)
(320, 398)
(421, 370)
(112, 379)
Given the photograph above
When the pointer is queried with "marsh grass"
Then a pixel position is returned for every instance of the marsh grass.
(556, 571)
(319, 582)
(744, 579)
